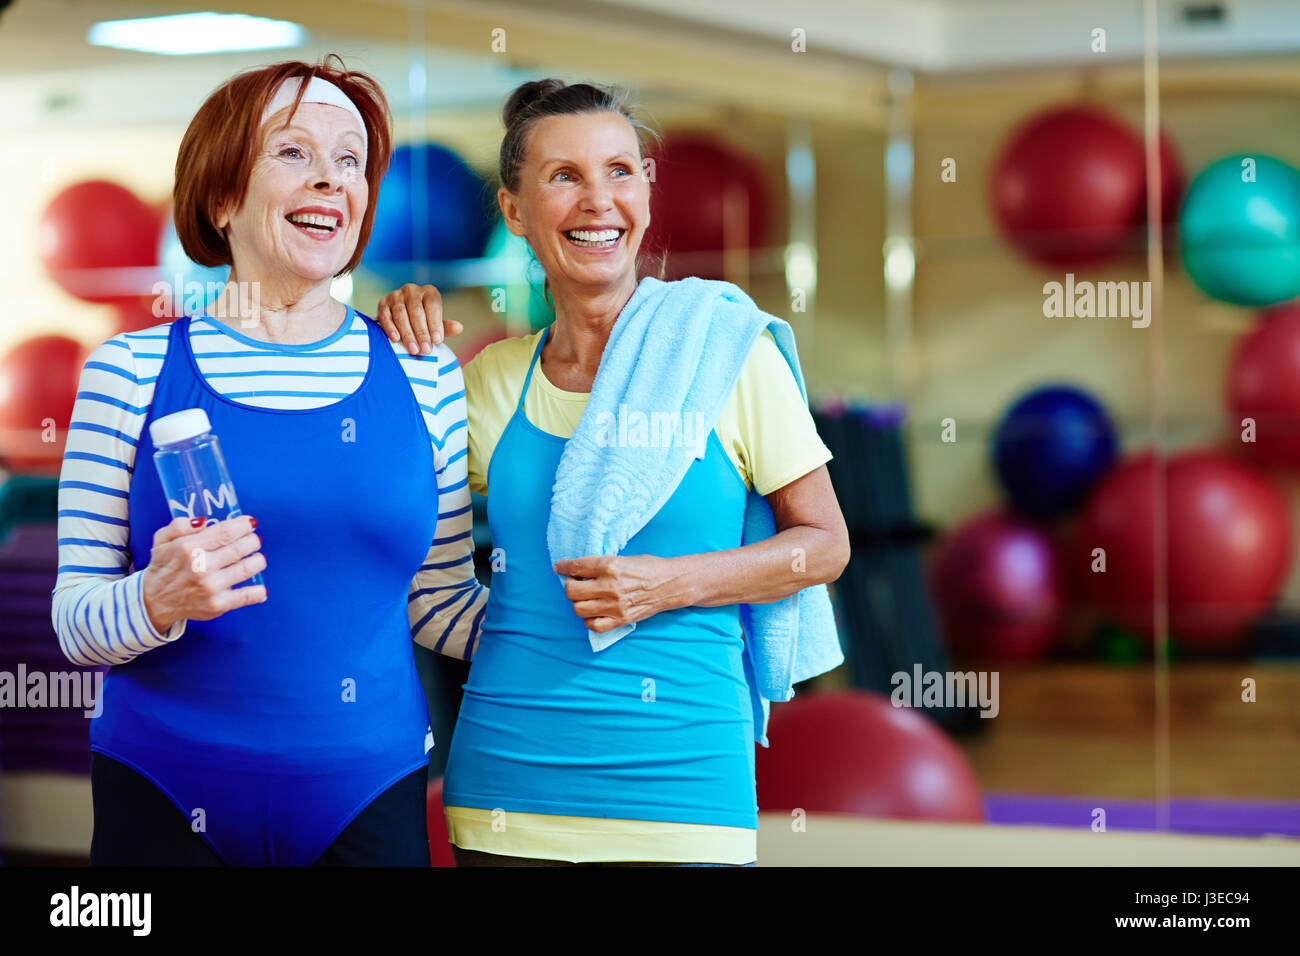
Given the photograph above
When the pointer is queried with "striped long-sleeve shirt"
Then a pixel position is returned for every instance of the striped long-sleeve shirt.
(98, 604)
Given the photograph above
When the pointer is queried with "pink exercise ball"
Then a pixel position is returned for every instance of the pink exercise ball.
(999, 590)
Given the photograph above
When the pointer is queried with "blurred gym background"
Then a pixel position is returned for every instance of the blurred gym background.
(1034, 492)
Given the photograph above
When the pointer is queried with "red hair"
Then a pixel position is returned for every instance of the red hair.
(218, 150)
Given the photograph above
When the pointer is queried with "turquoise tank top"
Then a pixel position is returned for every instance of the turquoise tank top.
(658, 726)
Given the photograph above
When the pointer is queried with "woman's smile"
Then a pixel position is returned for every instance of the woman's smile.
(320, 223)
(595, 238)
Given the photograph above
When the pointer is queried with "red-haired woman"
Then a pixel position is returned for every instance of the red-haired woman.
(241, 726)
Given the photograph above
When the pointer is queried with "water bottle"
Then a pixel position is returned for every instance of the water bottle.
(193, 473)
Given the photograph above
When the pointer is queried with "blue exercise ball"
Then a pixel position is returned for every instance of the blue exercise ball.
(432, 207)
(1239, 230)
(192, 285)
(1051, 447)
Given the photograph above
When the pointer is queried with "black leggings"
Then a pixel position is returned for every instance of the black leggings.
(137, 825)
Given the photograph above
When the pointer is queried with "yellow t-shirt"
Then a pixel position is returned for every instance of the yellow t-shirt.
(769, 436)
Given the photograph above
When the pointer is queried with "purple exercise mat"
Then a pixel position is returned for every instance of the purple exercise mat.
(1239, 818)
(29, 546)
(46, 738)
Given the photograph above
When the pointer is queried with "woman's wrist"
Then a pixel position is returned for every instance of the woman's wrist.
(158, 618)
(680, 584)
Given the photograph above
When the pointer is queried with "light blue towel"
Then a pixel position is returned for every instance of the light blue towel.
(682, 345)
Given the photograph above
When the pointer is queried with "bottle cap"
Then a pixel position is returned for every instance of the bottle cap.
(179, 426)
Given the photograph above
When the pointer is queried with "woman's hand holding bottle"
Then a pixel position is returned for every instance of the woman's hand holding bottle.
(194, 570)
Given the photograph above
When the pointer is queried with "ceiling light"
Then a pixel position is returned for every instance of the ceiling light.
(190, 33)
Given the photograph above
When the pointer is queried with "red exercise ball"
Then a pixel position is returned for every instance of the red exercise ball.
(1228, 545)
(99, 225)
(439, 843)
(1280, 311)
(999, 590)
(1069, 187)
(1264, 385)
(38, 387)
(854, 752)
(705, 197)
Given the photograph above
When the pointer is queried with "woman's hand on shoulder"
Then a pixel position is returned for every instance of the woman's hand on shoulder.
(413, 315)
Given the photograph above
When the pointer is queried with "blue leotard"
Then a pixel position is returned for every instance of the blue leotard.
(273, 725)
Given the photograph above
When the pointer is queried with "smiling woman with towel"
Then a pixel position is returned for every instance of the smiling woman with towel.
(656, 582)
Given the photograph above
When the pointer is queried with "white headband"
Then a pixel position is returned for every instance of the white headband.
(318, 91)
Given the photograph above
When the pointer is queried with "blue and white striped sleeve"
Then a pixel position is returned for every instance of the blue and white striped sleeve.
(98, 607)
(446, 603)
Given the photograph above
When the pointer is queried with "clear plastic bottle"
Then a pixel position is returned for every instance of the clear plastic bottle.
(193, 473)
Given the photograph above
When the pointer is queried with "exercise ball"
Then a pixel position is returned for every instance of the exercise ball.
(1264, 386)
(97, 225)
(999, 591)
(38, 387)
(1069, 187)
(432, 207)
(439, 842)
(1276, 311)
(522, 293)
(854, 752)
(706, 198)
(1240, 237)
(1228, 546)
(1051, 447)
(191, 285)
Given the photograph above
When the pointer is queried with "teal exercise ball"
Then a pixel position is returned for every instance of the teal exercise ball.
(192, 286)
(1240, 230)
(523, 289)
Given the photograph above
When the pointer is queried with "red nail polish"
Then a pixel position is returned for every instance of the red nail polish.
(196, 522)
(253, 521)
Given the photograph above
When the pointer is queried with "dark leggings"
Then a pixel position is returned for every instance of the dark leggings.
(137, 825)
(479, 858)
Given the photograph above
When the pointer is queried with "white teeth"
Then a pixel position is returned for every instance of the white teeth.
(593, 237)
(314, 219)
